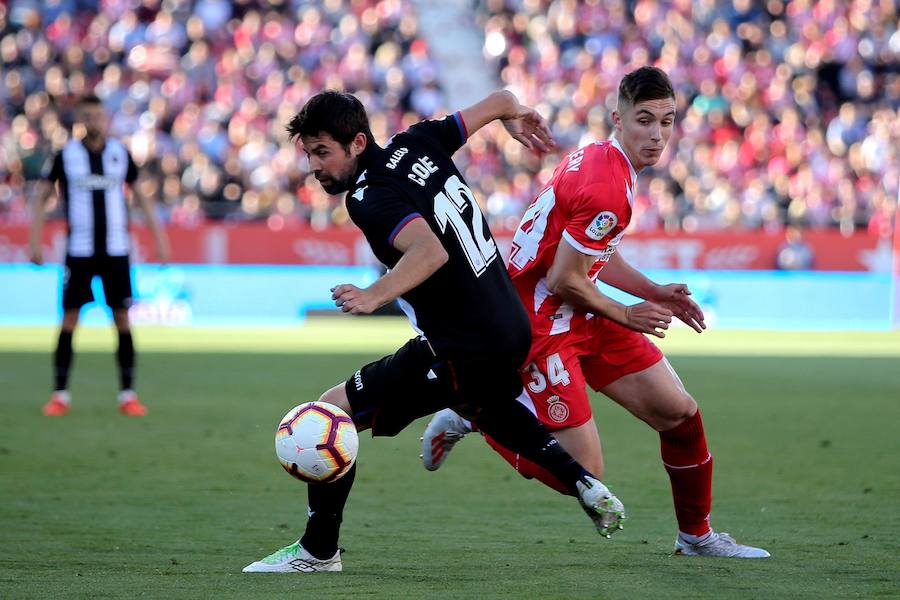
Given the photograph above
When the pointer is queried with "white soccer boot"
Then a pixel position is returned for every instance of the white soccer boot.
(294, 559)
(443, 431)
(717, 544)
(604, 509)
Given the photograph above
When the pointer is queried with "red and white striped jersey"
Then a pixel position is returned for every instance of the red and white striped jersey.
(588, 204)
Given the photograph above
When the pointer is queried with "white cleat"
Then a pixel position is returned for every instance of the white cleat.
(294, 559)
(605, 510)
(443, 431)
(717, 544)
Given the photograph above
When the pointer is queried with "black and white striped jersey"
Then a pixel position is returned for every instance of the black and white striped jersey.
(91, 186)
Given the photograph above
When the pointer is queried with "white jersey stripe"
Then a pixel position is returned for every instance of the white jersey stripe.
(541, 292)
(115, 165)
(79, 201)
(410, 313)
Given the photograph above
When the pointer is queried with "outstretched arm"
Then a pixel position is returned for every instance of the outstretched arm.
(523, 123)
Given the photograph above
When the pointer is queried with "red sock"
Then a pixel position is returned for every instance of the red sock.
(526, 468)
(689, 464)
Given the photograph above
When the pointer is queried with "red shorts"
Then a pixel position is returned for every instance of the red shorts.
(603, 352)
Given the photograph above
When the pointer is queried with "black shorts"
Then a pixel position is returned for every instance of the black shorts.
(391, 393)
(114, 272)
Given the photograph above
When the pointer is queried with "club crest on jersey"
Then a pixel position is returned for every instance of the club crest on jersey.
(602, 224)
(557, 409)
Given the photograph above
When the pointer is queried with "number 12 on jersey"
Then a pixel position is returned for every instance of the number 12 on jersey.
(480, 250)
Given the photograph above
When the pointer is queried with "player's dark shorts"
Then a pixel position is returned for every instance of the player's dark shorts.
(114, 272)
(391, 393)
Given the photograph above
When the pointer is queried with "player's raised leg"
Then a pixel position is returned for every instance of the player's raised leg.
(447, 428)
(657, 396)
(513, 426)
(582, 442)
(443, 432)
(562, 402)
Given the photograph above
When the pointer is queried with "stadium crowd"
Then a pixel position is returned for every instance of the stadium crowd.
(789, 111)
(201, 93)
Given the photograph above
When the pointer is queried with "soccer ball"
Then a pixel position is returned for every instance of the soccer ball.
(316, 442)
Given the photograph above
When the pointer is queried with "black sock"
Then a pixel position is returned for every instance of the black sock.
(326, 508)
(62, 359)
(513, 426)
(125, 358)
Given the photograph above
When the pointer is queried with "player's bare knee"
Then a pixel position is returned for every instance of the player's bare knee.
(338, 397)
(674, 412)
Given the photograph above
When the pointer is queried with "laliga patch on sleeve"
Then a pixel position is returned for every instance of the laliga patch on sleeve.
(601, 225)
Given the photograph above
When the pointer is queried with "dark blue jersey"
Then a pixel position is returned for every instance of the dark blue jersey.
(469, 307)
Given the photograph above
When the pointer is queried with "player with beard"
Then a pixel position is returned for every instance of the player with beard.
(423, 222)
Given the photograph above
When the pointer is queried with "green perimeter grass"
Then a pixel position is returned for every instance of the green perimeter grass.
(349, 334)
(96, 505)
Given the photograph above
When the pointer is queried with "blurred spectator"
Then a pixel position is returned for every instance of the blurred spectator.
(794, 254)
(789, 111)
(201, 91)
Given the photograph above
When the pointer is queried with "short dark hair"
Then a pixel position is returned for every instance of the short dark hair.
(338, 114)
(646, 83)
(90, 99)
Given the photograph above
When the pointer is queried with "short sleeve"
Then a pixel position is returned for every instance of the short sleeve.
(381, 215)
(132, 174)
(53, 168)
(598, 213)
(449, 133)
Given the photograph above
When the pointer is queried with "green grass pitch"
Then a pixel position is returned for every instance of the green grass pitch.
(95, 505)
